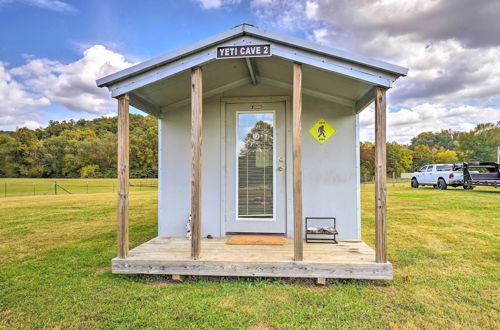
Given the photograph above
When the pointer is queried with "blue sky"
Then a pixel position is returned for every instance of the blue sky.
(50, 46)
(138, 29)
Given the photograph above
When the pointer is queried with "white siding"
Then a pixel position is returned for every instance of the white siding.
(329, 170)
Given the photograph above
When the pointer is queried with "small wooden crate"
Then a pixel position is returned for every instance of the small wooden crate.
(321, 234)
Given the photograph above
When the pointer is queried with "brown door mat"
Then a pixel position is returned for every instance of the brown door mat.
(256, 240)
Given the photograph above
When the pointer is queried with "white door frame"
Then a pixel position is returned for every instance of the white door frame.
(288, 154)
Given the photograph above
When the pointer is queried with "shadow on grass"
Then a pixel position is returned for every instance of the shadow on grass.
(161, 280)
(475, 191)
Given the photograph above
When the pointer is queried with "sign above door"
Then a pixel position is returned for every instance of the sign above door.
(244, 51)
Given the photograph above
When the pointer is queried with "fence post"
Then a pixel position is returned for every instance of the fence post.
(55, 187)
(87, 187)
(5, 190)
(140, 185)
(393, 178)
(34, 188)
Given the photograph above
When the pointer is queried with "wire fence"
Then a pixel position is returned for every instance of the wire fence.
(391, 179)
(37, 187)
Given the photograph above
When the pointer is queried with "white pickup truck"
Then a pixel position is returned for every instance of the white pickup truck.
(440, 176)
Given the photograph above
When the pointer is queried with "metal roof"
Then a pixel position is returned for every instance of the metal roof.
(250, 30)
(161, 84)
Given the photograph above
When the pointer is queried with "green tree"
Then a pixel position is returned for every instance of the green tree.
(90, 171)
(422, 155)
(399, 158)
(367, 160)
(481, 143)
(445, 138)
(20, 154)
(446, 157)
(7, 160)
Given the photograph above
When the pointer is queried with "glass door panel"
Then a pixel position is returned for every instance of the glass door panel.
(255, 165)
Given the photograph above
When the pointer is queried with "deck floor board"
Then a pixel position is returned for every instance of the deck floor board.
(166, 255)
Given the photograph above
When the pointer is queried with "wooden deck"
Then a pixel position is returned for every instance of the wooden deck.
(163, 255)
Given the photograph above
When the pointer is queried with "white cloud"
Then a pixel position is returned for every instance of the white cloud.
(450, 48)
(287, 15)
(406, 123)
(260, 2)
(73, 85)
(110, 114)
(312, 9)
(26, 89)
(31, 124)
(17, 103)
(216, 4)
(54, 5)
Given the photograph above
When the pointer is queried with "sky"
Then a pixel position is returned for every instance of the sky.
(52, 51)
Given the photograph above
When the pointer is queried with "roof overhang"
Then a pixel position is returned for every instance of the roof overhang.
(361, 73)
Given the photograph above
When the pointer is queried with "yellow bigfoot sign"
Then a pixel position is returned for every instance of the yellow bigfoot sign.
(321, 131)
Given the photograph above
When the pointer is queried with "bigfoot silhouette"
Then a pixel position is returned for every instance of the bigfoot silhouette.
(321, 131)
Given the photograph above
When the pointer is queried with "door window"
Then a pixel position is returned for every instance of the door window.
(255, 165)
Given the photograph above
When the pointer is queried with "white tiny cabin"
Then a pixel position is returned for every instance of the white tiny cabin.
(257, 131)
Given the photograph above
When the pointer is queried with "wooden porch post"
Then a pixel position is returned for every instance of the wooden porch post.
(380, 176)
(123, 175)
(196, 141)
(298, 242)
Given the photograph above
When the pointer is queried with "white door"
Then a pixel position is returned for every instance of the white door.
(428, 175)
(255, 168)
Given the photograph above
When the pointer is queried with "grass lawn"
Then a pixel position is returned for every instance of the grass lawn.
(55, 253)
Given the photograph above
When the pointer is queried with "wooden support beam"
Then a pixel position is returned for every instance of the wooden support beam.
(140, 102)
(209, 93)
(123, 175)
(365, 100)
(320, 281)
(196, 163)
(298, 241)
(380, 176)
(311, 92)
(252, 69)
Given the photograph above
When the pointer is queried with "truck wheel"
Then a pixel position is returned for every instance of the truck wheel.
(441, 185)
(468, 187)
(414, 183)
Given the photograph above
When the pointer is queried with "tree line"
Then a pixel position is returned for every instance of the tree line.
(87, 149)
(79, 149)
(446, 147)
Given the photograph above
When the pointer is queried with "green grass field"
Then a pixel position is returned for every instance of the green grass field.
(55, 254)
